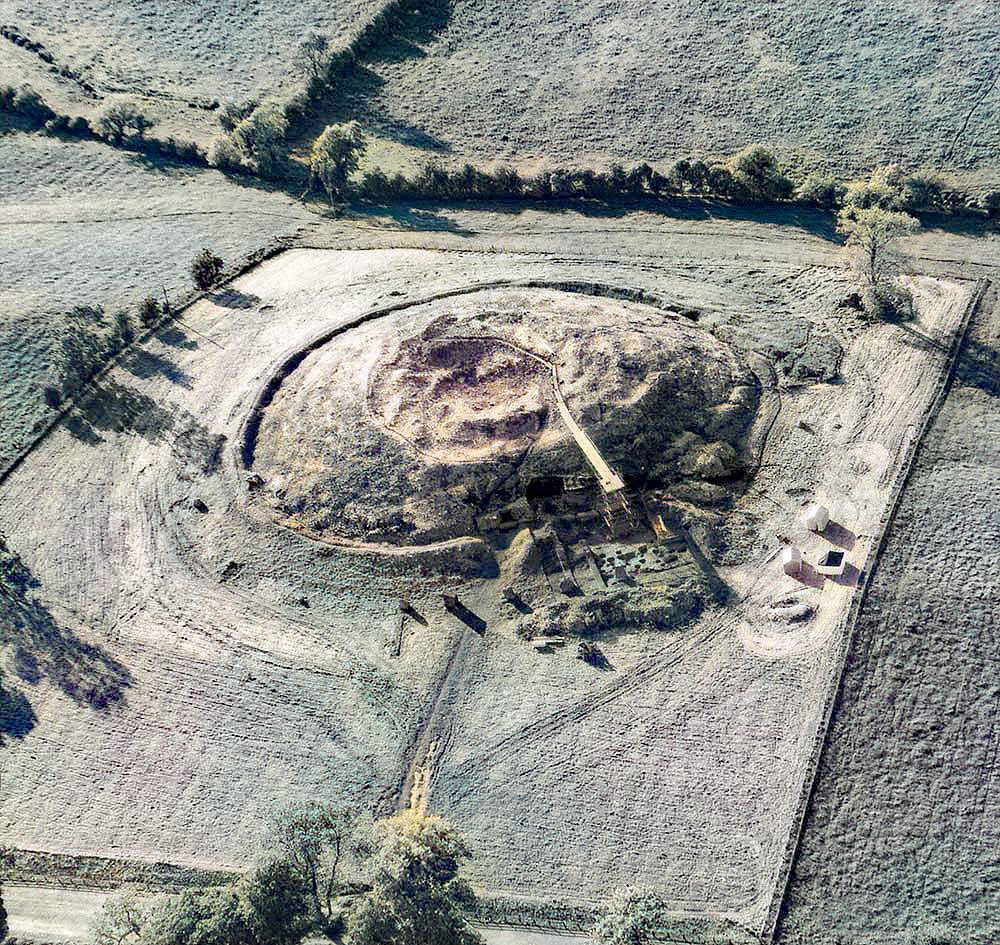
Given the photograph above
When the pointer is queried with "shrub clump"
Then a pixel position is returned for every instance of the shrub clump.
(123, 122)
(232, 113)
(206, 268)
(260, 139)
(819, 189)
(888, 301)
(150, 310)
(633, 918)
(757, 174)
(335, 156)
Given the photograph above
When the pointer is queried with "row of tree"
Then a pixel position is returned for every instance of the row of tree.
(255, 142)
(405, 889)
(122, 124)
(91, 338)
(754, 175)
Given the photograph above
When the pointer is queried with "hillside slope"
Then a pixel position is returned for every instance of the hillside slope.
(176, 59)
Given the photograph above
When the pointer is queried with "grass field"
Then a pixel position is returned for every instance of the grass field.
(847, 85)
(900, 843)
(172, 58)
(188, 657)
(566, 781)
(83, 224)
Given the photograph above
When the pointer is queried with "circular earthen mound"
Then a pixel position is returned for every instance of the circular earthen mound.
(407, 430)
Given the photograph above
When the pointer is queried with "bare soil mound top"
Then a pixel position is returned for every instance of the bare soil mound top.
(461, 399)
(410, 429)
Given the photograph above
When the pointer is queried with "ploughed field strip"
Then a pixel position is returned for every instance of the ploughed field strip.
(902, 832)
(359, 550)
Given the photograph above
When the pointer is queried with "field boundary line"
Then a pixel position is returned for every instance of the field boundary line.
(848, 623)
(248, 262)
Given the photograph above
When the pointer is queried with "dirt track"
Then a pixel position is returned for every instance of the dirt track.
(238, 696)
(901, 833)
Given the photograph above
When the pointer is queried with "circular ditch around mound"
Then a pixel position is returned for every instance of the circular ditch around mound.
(409, 428)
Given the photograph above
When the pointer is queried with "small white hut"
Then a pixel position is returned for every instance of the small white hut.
(791, 560)
(816, 517)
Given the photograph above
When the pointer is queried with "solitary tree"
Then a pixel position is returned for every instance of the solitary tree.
(261, 137)
(122, 121)
(416, 896)
(206, 269)
(312, 838)
(335, 155)
(872, 232)
(149, 311)
(633, 918)
(313, 54)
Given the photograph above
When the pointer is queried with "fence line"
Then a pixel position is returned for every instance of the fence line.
(846, 626)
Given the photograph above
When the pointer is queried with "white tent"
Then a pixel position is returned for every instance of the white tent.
(816, 517)
(791, 560)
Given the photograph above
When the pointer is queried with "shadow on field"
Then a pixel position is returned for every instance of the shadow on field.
(432, 216)
(979, 367)
(43, 649)
(114, 408)
(173, 336)
(418, 219)
(233, 298)
(144, 364)
(355, 93)
(17, 717)
(920, 340)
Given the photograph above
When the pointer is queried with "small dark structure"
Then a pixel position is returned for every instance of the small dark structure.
(591, 654)
(831, 564)
(454, 606)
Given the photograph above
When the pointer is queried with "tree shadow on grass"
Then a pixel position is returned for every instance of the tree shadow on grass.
(355, 92)
(432, 216)
(357, 98)
(176, 338)
(17, 717)
(413, 25)
(426, 220)
(44, 649)
(112, 407)
(233, 298)
(979, 367)
(144, 364)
